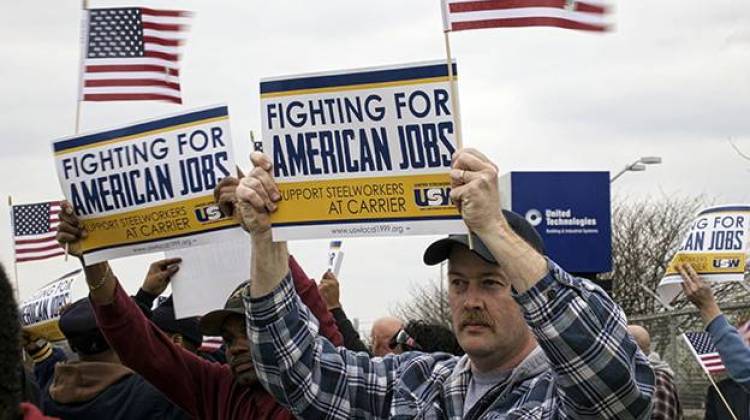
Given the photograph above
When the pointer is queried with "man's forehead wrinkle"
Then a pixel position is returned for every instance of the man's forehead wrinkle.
(479, 273)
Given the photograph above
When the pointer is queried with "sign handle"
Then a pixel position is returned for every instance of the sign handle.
(455, 108)
(15, 256)
(726, 404)
(84, 7)
(710, 378)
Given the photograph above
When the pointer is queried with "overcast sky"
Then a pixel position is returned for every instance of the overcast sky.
(673, 81)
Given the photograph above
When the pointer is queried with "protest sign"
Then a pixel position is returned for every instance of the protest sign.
(148, 187)
(208, 274)
(716, 246)
(335, 257)
(40, 313)
(361, 153)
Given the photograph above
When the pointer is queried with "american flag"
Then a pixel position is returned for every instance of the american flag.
(703, 349)
(211, 344)
(132, 54)
(34, 230)
(586, 15)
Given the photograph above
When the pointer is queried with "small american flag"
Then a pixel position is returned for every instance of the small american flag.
(211, 344)
(34, 230)
(585, 15)
(132, 54)
(703, 349)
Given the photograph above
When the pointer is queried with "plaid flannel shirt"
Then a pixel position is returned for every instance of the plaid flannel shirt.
(666, 402)
(594, 369)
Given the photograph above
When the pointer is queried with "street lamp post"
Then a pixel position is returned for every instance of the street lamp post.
(637, 166)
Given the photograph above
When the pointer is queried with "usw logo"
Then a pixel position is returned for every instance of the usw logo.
(209, 213)
(432, 197)
(726, 263)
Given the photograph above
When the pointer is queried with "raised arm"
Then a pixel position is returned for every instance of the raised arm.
(600, 372)
(183, 377)
(303, 370)
(329, 289)
(734, 352)
(311, 297)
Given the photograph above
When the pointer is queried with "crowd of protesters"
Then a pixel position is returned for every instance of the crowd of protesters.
(528, 340)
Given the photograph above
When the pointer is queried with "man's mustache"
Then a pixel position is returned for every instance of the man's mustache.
(477, 318)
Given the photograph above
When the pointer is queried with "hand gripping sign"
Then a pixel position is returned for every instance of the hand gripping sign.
(361, 153)
(716, 246)
(148, 187)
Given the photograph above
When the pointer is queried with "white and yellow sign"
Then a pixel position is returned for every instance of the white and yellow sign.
(40, 313)
(148, 187)
(716, 246)
(362, 153)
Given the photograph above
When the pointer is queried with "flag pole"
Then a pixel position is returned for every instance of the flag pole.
(454, 107)
(726, 404)
(84, 7)
(15, 257)
(710, 378)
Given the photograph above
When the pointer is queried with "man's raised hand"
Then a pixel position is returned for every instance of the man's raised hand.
(159, 274)
(69, 231)
(329, 290)
(474, 190)
(698, 291)
(257, 195)
(225, 194)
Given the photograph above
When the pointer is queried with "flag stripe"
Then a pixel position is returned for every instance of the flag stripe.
(170, 13)
(134, 75)
(529, 12)
(130, 97)
(40, 239)
(163, 26)
(40, 249)
(162, 55)
(157, 90)
(478, 14)
(475, 6)
(132, 82)
(522, 22)
(131, 67)
(40, 257)
(162, 41)
(591, 8)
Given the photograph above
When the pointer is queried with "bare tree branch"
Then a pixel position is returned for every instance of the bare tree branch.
(737, 149)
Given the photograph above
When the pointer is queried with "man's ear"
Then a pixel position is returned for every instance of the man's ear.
(177, 339)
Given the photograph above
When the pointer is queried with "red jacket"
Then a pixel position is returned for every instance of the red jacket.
(206, 390)
(30, 412)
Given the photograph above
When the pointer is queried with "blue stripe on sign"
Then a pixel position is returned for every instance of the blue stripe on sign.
(386, 219)
(140, 128)
(349, 79)
(725, 208)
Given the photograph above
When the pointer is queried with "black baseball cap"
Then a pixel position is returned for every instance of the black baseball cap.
(78, 325)
(210, 324)
(440, 250)
(164, 318)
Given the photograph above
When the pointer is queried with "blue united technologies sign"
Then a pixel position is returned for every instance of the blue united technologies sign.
(571, 210)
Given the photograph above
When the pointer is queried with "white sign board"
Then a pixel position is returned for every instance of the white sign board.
(208, 274)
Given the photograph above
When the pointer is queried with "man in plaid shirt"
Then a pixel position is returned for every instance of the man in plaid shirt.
(540, 344)
(665, 405)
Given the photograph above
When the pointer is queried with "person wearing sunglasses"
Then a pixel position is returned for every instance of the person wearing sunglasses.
(426, 337)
